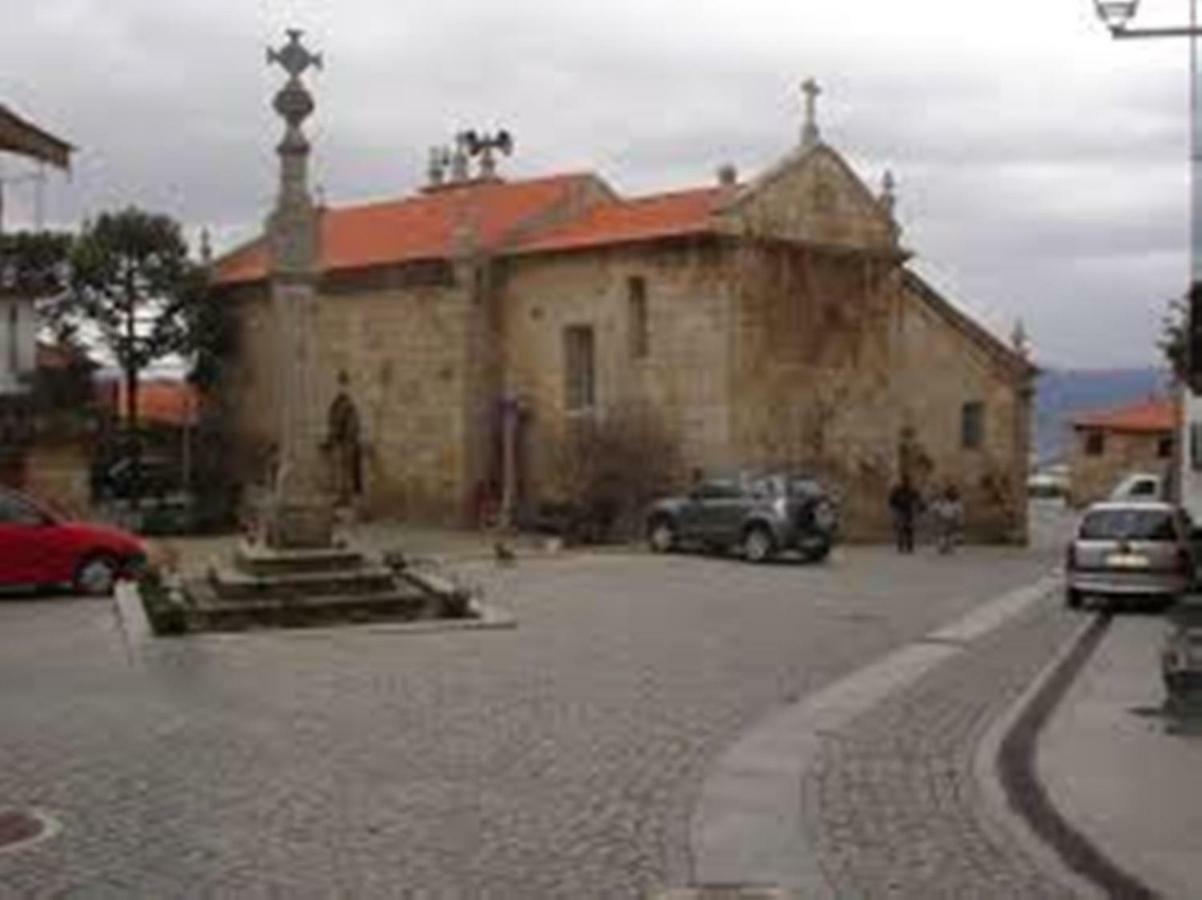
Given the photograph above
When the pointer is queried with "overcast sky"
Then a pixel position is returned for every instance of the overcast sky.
(1042, 167)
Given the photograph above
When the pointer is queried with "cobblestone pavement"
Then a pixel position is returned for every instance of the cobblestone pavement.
(891, 804)
(561, 758)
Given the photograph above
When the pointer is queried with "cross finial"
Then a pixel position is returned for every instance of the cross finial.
(293, 57)
(809, 131)
(206, 247)
(888, 191)
(1019, 340)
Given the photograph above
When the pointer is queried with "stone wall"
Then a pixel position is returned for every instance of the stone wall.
(1093, 477)
(813, 197)
(810, 384)
(941, 368)
(675, 393)
(840, 370)
(404, 349)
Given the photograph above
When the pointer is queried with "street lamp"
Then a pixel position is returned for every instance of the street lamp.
(1117, 16)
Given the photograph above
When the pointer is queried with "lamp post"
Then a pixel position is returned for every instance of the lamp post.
(1117, 16)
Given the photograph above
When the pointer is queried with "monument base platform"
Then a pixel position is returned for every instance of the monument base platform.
(264, 587)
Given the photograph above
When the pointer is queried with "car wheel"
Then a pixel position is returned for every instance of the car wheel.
(96, 575)
(1072, 598)
(661, 536)
(758, 545)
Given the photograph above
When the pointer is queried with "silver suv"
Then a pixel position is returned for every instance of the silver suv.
(761, 516)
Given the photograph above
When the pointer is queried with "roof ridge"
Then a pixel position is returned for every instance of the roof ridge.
(677, 192)
(447, 189)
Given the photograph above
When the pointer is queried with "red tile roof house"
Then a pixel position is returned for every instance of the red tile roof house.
(1113, 443)
(162, 402)
(760, 324)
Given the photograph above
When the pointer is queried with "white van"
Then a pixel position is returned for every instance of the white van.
(1139, 486)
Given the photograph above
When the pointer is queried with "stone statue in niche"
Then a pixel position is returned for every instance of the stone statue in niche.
(344, 445)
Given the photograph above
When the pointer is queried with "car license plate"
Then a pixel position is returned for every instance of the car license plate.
(1127, 561)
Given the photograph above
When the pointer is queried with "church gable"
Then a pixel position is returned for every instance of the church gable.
(814, 197)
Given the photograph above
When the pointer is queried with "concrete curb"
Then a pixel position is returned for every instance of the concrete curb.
(997, 805)
(492, 618)
(131, 617)
(1079, 859)
(747, 826)
(136, 632)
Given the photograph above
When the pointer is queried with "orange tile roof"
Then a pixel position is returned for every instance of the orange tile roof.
(1153, 415)
(174, 403)
(638, 219)
(505, 217)
(421, 227)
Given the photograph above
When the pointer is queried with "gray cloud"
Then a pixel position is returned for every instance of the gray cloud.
(1042, 167)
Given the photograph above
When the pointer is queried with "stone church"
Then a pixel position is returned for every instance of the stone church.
(469, 333)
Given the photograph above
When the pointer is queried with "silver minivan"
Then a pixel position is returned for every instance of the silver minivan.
(1130, 549)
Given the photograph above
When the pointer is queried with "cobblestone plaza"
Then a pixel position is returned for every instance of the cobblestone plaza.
(560, 758)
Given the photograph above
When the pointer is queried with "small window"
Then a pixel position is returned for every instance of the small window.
(580, 391)
(1129, 525)
(972, 425)
(718, 489)
(1164, 447)
(1095, 443)
(1144, 487)
(640, 337)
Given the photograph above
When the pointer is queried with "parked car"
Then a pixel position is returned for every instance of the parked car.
(1047, 485)
(38, 547)
(1139, 486)
(151, 477)
(761, 516)
(1130, 549)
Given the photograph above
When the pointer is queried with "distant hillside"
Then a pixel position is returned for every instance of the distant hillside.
(1062, 393)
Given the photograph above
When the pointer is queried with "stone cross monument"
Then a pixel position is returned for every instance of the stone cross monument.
(298, 514)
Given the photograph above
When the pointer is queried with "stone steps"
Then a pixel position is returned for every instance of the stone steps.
(257, 560)
(209, 612)
(232, 584)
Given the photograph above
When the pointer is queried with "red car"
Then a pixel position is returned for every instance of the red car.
(41, 548)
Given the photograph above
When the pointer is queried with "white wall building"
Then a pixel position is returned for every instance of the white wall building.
(18, 343)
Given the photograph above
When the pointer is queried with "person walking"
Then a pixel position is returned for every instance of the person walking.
(948, 513)
(904, 502)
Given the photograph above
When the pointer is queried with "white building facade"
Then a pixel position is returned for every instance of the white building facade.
(18, 343)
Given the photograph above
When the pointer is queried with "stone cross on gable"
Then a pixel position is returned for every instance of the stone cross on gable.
(809, 131)
(293, 57)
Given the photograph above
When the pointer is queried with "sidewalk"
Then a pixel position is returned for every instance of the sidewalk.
(1114, 770)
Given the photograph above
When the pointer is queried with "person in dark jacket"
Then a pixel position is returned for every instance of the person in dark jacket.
(905, 503)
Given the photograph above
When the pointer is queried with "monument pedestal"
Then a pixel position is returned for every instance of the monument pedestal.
(297, 524)
(267, 587)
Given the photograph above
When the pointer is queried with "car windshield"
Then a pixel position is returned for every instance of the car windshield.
(1128, 524)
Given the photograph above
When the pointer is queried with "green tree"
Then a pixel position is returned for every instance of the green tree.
(208, 332)
(210, 341)
(129, 286)
(1173, 337)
